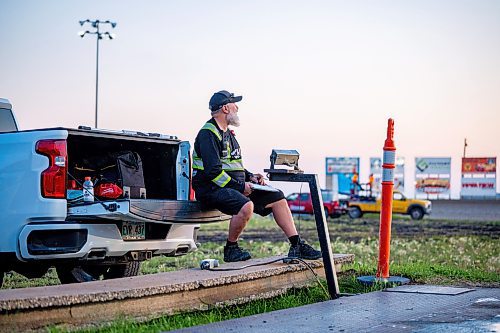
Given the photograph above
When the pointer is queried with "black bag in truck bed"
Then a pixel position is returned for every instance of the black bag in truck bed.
(122, 168)
(131, 175)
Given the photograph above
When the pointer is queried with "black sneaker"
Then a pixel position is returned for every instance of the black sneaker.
(303, 251)
(234, 253)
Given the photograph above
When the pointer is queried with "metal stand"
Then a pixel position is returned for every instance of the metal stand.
(320, 218)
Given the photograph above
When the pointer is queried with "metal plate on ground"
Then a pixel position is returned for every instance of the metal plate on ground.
(437, 290)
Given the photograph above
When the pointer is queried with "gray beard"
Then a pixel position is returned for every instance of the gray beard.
(233, 119)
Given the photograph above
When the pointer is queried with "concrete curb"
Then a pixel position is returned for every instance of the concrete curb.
(152, 295)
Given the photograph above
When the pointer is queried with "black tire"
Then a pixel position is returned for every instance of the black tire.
(1, 279)
(81, 273)
(336, 215)
(327, 214)
(86, 273)
(354, 212)
(416, 213)
(118, 271)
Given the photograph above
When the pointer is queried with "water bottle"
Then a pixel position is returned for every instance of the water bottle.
(88, 190)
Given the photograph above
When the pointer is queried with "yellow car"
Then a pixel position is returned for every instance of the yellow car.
(400, 205)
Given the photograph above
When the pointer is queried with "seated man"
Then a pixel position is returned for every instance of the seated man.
(220, 181)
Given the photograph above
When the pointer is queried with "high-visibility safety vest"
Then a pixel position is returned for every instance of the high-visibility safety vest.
(228, 164)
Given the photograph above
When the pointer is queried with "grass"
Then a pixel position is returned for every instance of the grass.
(473, 259)
(424, 251)
(425, 259)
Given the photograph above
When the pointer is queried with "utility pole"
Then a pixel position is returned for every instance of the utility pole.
(465, 146)
(95, 24)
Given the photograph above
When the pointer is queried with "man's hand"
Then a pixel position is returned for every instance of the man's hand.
(258, 179)
(248, 190)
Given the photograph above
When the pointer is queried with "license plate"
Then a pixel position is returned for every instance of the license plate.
(133, 230)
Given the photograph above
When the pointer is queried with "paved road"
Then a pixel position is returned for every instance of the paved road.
(472, 210)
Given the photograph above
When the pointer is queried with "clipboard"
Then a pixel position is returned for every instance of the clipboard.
(263, 188)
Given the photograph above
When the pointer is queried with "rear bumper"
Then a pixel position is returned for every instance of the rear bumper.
(428, 209)
(81, 241)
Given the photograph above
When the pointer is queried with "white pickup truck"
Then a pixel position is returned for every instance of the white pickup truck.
(43, 223)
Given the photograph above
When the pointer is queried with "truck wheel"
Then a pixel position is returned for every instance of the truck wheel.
(131, 268)
(354, 212)
(327, 214)
(75, 274)
(416, 213)
(86, 273)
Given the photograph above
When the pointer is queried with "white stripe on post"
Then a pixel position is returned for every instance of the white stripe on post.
(389, 157)
(388, 175)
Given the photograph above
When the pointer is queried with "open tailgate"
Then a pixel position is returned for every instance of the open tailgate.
(146, 210)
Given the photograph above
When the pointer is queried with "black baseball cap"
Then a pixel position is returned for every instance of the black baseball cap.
(221, 98)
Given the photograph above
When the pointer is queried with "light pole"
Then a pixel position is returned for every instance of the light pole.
(95, 24)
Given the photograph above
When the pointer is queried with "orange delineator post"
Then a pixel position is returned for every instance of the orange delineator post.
(389, 163)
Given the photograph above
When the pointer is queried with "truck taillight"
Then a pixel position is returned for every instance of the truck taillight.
(54, 178)
(191, 191)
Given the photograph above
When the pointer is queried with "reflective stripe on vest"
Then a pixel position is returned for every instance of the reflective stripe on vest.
(222, 179)
(211, 127)
(232, 165)
(227, 165)
(197, 162)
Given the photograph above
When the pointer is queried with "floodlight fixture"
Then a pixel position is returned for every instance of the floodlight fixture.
(285, 157)
(107, 34)
(113, 24)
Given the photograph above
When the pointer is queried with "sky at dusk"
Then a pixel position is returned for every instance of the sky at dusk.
(321, 77)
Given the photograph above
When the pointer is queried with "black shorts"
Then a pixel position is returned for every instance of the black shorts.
(230, 201)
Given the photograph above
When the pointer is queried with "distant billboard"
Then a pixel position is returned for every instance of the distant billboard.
(479, 165)
(342, 165)
(478, 177)
(432, 165)
(432, 177)
(339, 172)
(399, 173)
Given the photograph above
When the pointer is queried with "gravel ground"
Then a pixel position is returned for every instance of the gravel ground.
(449, 217)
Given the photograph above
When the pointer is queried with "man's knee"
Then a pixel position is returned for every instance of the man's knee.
(281, 202)
(247, 210)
